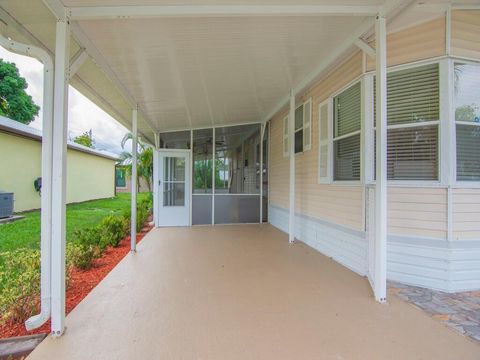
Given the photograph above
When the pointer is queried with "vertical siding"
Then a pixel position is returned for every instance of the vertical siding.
(420, 42)
(465, 33)
(466, 214)
(417, 212)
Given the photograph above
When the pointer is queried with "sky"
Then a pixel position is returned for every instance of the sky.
(83, 115)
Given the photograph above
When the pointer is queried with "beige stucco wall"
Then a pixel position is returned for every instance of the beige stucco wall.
(412, 211)
(88, 176)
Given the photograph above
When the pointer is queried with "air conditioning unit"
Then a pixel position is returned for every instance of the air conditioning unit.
(6, 204)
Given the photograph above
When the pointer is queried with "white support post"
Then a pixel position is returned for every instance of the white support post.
(214, 155)
(133, 220)
(59, 174)
(262, 133)
(381, 182)
(291, 141)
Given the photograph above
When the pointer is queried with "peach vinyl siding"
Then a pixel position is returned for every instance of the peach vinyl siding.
(341, 204)
(420, 42)
(466, 214)
(465, 33)
(417, 212)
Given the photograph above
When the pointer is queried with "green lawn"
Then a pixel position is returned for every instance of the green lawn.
(25, 233)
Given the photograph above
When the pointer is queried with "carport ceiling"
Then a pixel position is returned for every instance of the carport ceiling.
(199, 69)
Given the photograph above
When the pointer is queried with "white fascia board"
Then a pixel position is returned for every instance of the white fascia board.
(157, 11)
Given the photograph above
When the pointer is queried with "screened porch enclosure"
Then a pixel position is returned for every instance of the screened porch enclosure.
(229, 182)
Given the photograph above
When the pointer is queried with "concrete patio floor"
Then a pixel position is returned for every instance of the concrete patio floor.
(243, 292)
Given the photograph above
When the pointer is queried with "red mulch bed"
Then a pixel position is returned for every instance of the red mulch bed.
(81, 283)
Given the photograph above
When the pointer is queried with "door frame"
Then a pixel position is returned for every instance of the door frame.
(156, 178)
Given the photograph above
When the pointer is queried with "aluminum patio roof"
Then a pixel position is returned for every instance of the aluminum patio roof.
(190, 64)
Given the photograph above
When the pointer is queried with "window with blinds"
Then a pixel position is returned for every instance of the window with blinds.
(347, 116)
(413, 117)
(467, 118)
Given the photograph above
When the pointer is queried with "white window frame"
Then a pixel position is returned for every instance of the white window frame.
(333, 139)
(306, 123)
(458, 183)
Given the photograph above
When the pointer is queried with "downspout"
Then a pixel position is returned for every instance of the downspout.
(46, 203)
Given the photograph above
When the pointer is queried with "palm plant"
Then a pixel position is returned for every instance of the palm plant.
(144, 160)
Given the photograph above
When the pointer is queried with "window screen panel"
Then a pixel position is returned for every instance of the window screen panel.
(413, 153)
(299, 141)
(347, 158)
(299, 118)
(467, 94)
(468, 150)
(348, 114)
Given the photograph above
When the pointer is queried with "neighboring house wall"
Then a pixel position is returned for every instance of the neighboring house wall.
(143, 187)
(88, 176)
(333, 218)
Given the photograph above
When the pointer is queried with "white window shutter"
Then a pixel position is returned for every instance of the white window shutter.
(307, 125)
(286, 147)
(324, 143)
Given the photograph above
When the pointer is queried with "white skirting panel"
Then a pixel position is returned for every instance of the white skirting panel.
(434, 263)
(344, 245)
(430, 263)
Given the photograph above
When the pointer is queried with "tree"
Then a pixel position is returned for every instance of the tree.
(86, 139)
(144, 160)
(465, 113)
(15, 103)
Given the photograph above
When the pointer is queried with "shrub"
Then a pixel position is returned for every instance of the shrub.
(20, 285)
(112, 230)
(88, 245)
(143, 211)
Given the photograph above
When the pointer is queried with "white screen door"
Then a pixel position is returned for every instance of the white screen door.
(174, 188)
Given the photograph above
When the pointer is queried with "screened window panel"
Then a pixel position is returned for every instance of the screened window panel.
(347, 158)
(468, 150)
(348, 106)
(299, 118)
(413, 95)
(413, 153)
(299, 141)
(467, 94)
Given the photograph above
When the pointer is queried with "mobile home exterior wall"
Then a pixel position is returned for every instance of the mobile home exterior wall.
(434, 233)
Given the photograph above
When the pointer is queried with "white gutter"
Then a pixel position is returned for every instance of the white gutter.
(46, 203)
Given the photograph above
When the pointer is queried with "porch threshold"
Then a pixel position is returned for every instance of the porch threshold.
(243, 292)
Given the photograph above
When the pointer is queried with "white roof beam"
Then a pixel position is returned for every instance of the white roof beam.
(156, 11)
(365, 47)
(77, 61)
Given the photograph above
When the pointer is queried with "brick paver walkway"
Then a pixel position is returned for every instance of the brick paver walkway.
(460, 311)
